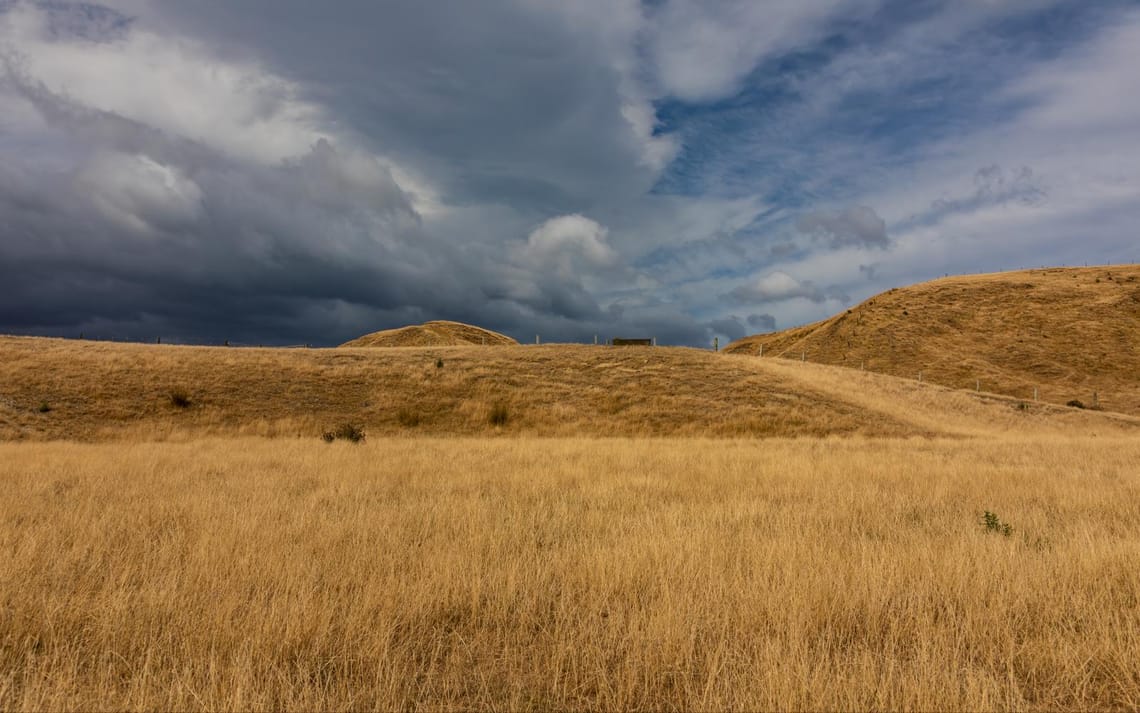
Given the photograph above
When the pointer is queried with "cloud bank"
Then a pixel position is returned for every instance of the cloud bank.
(260, 173)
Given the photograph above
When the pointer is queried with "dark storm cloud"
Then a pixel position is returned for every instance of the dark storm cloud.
(762, 322)
(138, 232)
(495, 100)
(151, 233)
(729, 327)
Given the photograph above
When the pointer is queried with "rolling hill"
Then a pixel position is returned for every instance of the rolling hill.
(81, 390)
(1071, 333)
(439, 333)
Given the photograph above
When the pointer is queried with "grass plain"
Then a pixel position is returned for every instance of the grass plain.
(585, 574)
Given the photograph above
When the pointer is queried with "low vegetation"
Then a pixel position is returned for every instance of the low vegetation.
(567, 574)
(344, 432)
(180, 398)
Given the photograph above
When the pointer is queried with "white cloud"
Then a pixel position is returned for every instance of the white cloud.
(169, 83)
(139, 193)
(569, 241)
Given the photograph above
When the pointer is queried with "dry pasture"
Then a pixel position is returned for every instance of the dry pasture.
(585, 574)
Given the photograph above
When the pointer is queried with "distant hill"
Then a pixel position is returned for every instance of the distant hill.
(1069, 332)
(90, 391)
(432, 334)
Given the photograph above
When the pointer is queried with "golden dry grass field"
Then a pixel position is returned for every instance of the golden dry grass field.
(762, 534)
(583, 574)
(1069, 332)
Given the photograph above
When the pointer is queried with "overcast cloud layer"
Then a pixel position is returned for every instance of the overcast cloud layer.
(285, 172)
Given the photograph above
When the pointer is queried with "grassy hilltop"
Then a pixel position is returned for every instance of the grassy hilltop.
(1069, 332)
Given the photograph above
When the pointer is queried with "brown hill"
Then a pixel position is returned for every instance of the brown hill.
(1069, 332)
(81, 390)
(432, 334)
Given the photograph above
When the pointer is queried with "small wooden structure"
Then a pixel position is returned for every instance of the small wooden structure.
(618, 342)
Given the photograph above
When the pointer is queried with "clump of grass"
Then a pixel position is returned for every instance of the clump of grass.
(1076, 403)
(44, 407)
(180, 398)
(408, 418)
(499, 415)
(344, 432)
(439, 363)
(1022, 406)
(993, 523)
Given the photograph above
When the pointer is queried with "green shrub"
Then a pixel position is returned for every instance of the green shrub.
(993, 523)
(180, 398)
(44, 407)
(439, 363)
(1076, 403)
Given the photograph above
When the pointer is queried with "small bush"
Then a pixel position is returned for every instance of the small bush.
(993, 523)
(344, 432)
(1022, 406)
(439, 363)
(408, 418)
(1076, 403)
(499, 415)
(179, 398)
(44, 407)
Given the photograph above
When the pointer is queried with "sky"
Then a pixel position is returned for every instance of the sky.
(297, 172)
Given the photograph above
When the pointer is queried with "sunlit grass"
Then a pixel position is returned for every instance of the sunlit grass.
(516, 574)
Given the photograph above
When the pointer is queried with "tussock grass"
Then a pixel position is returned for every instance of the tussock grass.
(523, 574)
(1070, 332)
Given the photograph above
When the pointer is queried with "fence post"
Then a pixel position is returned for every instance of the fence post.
(537, 340)
(1034, 393)
(803, 356)
(595, 340)
(920, 377)
(761, 350)
(978, 385)
(1096, 400)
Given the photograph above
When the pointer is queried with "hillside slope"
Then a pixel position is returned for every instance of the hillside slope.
(77, 390)
(1069, 332)
(439, 333)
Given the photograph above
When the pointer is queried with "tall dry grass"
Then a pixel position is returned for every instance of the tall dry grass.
(570, 574)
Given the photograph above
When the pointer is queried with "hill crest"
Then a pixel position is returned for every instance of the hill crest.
(1073, 334)
(437, 333)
